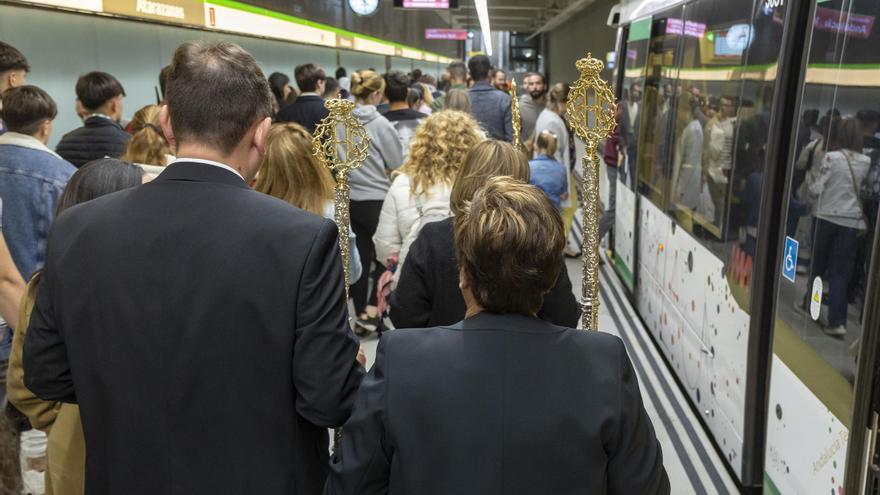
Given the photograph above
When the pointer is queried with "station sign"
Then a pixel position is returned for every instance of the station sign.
(426, 4)
(446, 34)
(178, 11)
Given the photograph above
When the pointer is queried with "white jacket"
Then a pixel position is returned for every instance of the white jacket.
(400, 218)
(837, 199)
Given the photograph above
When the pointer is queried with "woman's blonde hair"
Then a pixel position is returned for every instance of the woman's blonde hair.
(292, 173)
(427, 97)
(147, 145)
(490, 158)
(438, 148)
(366, 82)
(546, 141)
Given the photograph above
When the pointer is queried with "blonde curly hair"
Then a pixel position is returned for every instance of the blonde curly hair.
(438, 149)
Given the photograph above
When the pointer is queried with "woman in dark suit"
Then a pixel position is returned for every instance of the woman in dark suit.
(502, 402)
(427, 294)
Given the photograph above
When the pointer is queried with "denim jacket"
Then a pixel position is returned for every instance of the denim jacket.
(31, 179)
(491, 108)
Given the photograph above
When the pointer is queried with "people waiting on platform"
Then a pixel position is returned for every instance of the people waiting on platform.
(281, 90)
(499, 80)
(33, 176)
(456, 78)
(210, 309)
(457, 99)
(840, 219)
(504, 392)
(344, 82)
(369, 186)
(65, 453)
(718, 151)
(400, 113)
(420, 191)
(101, 97)
(308, 108)
(148, 147)
(532, 102)
(14, 69)
(428, 294)
(491, 108)
(547, 173)
(611, 155)
(332, 90)
(291, 172)
(687, 170)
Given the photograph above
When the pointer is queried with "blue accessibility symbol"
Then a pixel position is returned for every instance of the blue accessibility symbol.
(789, 259)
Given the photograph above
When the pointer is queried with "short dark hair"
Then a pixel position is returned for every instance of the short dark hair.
(97, 88)
(331, 85)
(25, 108)
(479, 67)
(12, 59)
(845, 135)
(538, 74)
(457, 70)
(340, 73)
(396, 86)
(97, 178)
(509, 241)
(216, 92)
(163, 79)
(308, 76)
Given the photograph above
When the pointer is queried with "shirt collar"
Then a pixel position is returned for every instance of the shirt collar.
(207, 162)
(309, 93)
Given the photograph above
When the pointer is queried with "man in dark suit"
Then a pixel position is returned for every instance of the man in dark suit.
(490, 107)
(501, 402)
(308, 108)
(101, 96)
(201, 326)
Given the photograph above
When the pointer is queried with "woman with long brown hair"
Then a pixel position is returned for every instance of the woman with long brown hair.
(290, 172)
(148, 147)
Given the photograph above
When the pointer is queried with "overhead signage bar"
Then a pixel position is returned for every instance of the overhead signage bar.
(446, 34)
(426, 4)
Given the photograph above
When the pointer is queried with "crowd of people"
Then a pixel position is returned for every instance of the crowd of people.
(174, 308)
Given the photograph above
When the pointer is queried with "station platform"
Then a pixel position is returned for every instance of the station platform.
(692, 462)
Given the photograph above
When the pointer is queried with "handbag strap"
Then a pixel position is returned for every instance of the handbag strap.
(855, 186)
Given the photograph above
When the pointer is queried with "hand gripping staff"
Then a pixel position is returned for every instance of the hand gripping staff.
(592, 118)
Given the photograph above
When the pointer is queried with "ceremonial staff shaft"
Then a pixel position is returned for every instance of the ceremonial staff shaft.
(592, 118)
(341, 143)
(515, 116)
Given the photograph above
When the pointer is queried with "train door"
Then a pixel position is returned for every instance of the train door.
(634, 69)
(830, 223)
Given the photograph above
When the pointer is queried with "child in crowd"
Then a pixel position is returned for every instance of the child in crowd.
(546, 172)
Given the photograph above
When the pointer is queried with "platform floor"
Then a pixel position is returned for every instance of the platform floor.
(693, 464)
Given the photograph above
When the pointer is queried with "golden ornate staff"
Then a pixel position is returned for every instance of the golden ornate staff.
(341, 143)
(592, 118)
(515, 116)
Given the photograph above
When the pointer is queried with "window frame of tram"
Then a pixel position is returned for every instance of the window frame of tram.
(720, 247)
(811, 395)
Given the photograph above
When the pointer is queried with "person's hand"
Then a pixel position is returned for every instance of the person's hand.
(361, 357)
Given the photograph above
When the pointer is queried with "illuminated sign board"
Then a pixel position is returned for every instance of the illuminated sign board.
(855, 25)
(687, 28)
(426, 4)
(445, 34)
(182, 11)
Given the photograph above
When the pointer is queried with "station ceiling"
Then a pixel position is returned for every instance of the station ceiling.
(508, 15)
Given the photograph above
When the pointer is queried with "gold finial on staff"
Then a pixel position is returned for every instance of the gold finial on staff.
(341, 143)
(592, 118)
(515, 115)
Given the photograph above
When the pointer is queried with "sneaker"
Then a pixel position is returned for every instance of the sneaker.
(837, 332)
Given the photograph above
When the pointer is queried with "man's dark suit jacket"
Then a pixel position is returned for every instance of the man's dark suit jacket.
(307, 111)
(202, 329)
(428, 294)
(501, 404)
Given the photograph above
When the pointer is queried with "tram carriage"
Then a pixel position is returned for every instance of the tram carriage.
(718, 245)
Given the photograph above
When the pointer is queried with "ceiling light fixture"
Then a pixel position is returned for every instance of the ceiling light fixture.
(483, 14)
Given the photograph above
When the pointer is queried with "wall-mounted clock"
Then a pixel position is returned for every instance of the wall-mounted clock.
(364, 7)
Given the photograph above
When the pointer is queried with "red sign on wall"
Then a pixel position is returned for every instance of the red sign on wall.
(445, 34)
(426, 4)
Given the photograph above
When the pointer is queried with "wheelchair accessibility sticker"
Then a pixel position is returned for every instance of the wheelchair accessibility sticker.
(789, 259)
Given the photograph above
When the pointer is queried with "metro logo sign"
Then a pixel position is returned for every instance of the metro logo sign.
(445, 34)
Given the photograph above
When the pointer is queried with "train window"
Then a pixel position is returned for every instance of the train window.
(655, 117)
(631, 96)
(831, 220)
